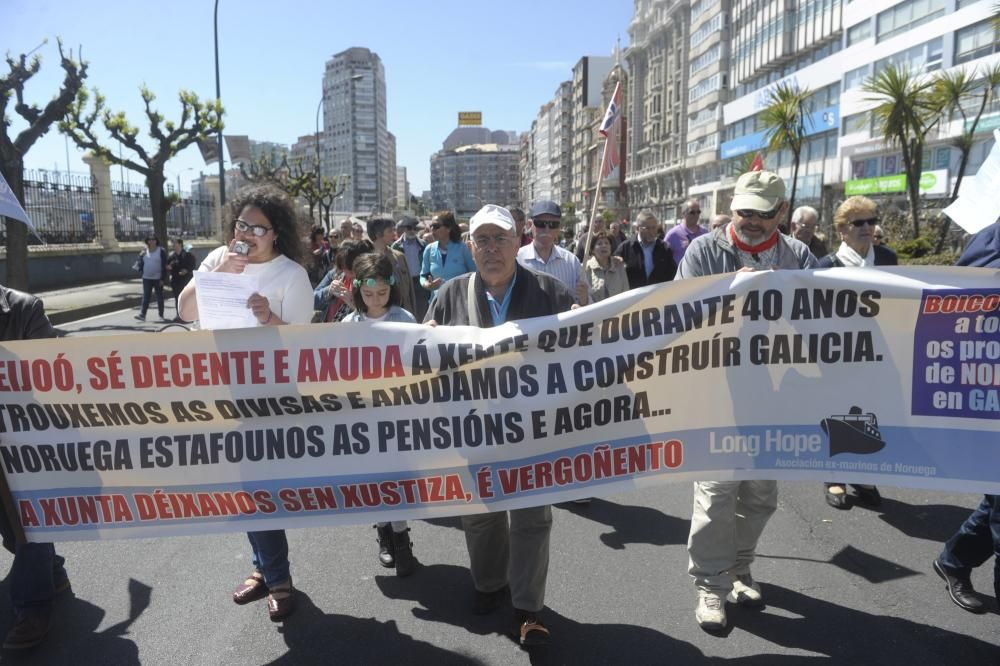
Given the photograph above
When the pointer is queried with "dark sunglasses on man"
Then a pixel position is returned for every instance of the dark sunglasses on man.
(550, 224)
(763, 214)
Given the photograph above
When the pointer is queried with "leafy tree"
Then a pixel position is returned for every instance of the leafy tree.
(953, 92)
(329, 190)
(784, 119)
(13, 149)
(198, 120)
(906, 111)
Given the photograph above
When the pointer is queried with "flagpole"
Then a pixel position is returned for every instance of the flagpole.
(597, 197)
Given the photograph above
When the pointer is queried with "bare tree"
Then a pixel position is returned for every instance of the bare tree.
(198, 120)
(13, 149)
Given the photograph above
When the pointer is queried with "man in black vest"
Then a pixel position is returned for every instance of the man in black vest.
(647, 259)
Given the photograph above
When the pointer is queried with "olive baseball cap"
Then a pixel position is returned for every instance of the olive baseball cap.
(758, 190)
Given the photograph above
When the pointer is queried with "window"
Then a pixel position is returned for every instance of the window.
(858, 122)
(906, 16)
(975, 41)
(855, 77)
(924, 57)
(710, 142)
(705, 59)
(711, 26)
(859, 33)
(709, 85)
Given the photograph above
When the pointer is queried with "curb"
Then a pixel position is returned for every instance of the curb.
(72, 314)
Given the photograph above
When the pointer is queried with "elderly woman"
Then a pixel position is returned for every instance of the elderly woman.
(856, 220)
(264, 219)
(447, 256)
(605, 275)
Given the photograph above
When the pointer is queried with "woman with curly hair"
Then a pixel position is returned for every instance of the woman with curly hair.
(264, 219)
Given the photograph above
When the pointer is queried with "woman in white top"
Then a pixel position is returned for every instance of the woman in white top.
(264, 219)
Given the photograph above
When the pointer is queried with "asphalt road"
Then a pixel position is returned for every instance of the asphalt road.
(842, 587)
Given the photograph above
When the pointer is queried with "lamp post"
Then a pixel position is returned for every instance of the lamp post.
(218, 96)
(319, 172)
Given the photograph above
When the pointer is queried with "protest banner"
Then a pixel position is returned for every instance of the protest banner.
(888, 376)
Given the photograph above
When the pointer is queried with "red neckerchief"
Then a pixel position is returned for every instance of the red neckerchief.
(753, 249)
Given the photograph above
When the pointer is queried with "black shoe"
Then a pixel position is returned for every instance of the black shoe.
(406, 564)
(959, 589)
(529, 630)
(868, 495)
(836, 500)
(386, 553)
(487, 602)
(28, 631)
(141, 317)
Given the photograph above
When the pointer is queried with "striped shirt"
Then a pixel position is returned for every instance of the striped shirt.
(562, 265)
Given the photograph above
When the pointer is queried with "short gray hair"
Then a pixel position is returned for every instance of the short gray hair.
(804, 211)
(646, 214)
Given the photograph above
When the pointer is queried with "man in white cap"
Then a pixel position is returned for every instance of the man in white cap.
(508, 550)
(729, 516)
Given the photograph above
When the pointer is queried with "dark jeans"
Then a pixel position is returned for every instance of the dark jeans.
(35, 574)
(976, 540)
(422, 298)
(270, 555)
(147, 290)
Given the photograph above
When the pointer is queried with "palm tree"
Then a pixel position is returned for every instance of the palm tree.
(953, 91)
(784, 119)
(905, 112)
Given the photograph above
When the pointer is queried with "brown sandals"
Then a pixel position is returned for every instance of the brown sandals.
(252, 589)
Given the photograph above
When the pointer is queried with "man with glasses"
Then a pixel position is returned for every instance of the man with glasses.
(382, 232)
(412, 247)
(729, 516)
(805, 221)
(647, 259)
(678, 238)
(508, 550)
(544, 255)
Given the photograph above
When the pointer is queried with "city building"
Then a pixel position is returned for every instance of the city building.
(355, 139)
(402, 189)
(303, 152)
(466, 177)
(549, 172)
(659, 100)
(268, 149)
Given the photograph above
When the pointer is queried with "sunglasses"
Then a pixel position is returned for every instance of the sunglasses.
(694, 212)
(374, 282)
(762, 214)
(553, 224)
(860, 223)
(436, 226)
(255, 229)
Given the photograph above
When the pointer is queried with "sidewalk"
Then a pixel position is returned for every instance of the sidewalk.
(64, 305)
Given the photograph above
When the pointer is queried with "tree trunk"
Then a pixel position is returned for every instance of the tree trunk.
(155, 181)
(913, 186)
(17, 231)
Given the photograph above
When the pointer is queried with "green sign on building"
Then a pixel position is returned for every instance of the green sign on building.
(931, 182)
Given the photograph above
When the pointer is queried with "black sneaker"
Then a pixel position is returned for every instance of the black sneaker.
(141, 317)
(959, 589)
(386, 552)
(406, 563)
(487, 602)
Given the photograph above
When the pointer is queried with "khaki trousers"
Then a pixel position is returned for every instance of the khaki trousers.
(514, 552)
(727, 521)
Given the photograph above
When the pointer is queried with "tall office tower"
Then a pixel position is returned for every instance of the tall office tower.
(356, 141)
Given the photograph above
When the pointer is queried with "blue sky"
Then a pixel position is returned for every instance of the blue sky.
(504, 59)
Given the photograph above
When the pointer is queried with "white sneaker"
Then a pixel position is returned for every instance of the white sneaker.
(746, 592)
(710, 612)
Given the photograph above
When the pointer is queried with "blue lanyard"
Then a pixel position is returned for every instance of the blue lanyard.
(499, 310)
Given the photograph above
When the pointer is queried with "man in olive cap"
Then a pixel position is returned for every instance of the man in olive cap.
(729, 516)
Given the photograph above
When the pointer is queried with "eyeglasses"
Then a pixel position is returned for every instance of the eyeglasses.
(499, 241)
(435, 226)
(255, 229)
(548, 224)
(860, 223)
(374, 282)
(694, 212)
(762, 214)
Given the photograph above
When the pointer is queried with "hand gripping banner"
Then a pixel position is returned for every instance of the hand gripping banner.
(854, 375)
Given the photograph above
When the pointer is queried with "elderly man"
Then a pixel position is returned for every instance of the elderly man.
(520, 219)
(805, 221)
(502, 555)
(544, 254)
(719, 220)
(729, 516)
(678, 238)
(37, 574)
(647, 260)
(581, 248)
(412, 247)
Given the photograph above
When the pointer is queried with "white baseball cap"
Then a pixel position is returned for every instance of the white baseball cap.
(498, 216)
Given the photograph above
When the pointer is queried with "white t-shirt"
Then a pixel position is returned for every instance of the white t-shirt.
(283, 282)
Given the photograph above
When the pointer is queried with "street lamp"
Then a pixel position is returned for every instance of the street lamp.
(218, 96)
(319, 106)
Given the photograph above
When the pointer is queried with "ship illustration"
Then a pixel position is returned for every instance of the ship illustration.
(854, 432)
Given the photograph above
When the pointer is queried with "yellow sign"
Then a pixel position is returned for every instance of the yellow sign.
(470, 117)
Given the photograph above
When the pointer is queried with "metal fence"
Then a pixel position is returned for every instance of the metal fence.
(133, 215)
(61, 206)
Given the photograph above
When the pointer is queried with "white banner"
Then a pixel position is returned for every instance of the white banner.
(854, 375)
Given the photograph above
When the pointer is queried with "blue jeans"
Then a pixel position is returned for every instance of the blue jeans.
(147, 291)
(976, 540)
(35, 574)
(270, 555)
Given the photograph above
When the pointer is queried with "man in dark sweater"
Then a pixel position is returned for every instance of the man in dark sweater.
(647, 259)
(502, 556)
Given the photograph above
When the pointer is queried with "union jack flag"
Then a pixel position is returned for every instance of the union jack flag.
(609, 130)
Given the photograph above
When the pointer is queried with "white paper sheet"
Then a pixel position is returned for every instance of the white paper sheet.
(222, 299)
(978, 205)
